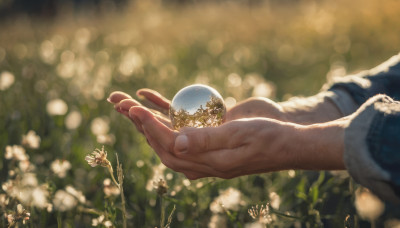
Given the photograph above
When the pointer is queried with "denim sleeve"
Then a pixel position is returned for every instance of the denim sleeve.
(354, 90)
(372, 147)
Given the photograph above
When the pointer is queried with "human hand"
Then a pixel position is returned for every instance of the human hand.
(244, 146)
(150, 99)
(252, 107)
(233, 149)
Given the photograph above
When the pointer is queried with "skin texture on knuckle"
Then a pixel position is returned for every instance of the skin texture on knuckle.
(199, 140)
(205, 140)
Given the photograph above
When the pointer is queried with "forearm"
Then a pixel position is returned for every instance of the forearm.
(317, 146)
(316, 109)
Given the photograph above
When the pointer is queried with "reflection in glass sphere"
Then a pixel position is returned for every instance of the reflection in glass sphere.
(197, 106)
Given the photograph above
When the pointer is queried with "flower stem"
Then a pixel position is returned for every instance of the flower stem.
(162, 220)
(59, 222)
(121, 190)
(110, 169)
(89, 210)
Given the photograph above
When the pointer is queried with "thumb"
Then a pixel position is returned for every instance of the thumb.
(199, 140)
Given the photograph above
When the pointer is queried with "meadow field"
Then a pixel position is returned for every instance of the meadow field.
(56, 74)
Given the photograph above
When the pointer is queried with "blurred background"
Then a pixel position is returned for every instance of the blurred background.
(59, 60)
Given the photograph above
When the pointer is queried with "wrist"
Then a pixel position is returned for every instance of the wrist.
(317, 146)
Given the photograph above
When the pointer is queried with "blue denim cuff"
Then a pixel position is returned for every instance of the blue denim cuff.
(372, 142)
(343, 101)
(383, 79)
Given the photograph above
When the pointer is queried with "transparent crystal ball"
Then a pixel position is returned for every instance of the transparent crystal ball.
(197, 106)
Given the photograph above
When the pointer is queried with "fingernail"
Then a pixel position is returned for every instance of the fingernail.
(181, 143)
(109, 100)
(117, 107)
(130, 113)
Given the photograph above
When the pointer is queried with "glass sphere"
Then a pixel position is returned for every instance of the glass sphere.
(197, 106)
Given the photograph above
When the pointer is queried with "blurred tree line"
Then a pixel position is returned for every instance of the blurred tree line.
(51, 8)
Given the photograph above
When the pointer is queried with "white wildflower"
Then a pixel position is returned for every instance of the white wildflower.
(6, 80)
(101, 221)
(49, 207)
(100, 126)
(254, 225)
(140, 163)
(161, 187)
(16, 152)
(275, 200)
(27, 190)
(10, 218)
(108, 139)
(4, 200)
(36, 196)
(10, 188)
(22, 213)
(260, 214)
(98, 157)
(26, 166)
(217, 221)
(19, 215)
(186, 182)
(31, 140)
(107, 223)
(73, 120)
(264, 89)
(11, 173)
(29, 179)
(131, 63)
(110, 188)
(97, 221)
(158, 173)
(60, 167)
(368, 205)
(39, 197)
(77, 194)
(64, 201)
(56, 107)
(230, 199)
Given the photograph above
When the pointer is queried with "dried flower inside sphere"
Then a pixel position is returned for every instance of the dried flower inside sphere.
(197, 106)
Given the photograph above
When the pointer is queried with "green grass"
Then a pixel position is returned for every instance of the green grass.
(80, 59)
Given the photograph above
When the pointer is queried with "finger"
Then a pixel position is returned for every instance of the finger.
(158, 101)
(150, 124)
(192, 170)
(124, 106)
(193, 140)
(117, 96)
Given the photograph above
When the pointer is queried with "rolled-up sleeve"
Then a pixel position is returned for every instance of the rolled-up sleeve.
(352, 91)
(372, 147)
(372, 138)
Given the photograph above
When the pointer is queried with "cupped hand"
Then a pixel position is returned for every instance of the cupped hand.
(236, 148)
(159, 105)
(241, 145)
(150, 99)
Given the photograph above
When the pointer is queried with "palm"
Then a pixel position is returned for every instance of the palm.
(159, 105)
(255, 107)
